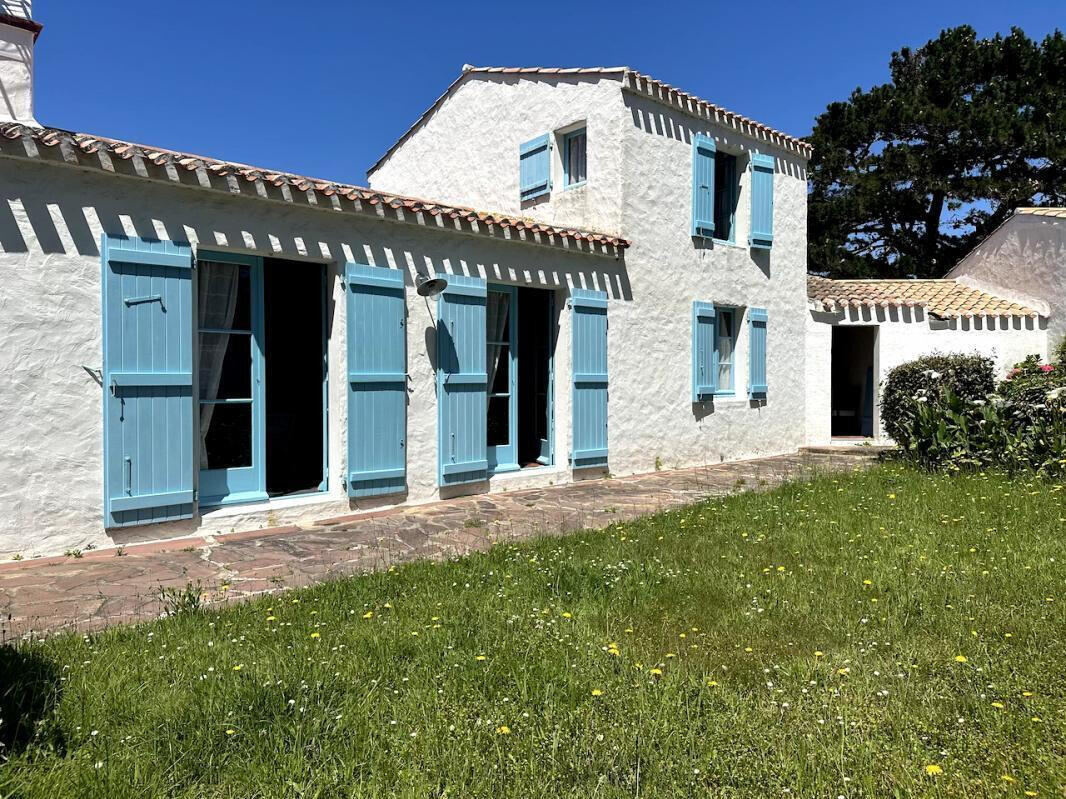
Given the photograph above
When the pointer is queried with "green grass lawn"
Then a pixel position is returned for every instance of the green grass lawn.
(879, 634)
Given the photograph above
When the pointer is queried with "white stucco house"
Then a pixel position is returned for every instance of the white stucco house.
(194, 345)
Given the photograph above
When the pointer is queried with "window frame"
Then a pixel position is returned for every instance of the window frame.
(720, 312)
(567, 138)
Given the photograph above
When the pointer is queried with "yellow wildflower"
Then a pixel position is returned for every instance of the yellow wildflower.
(238, 667)
(503, 729)
(656, 672)
(997, 704)
(567, 614)
(960, 658)
(368, 615)
(230, 732)
(597, 692)
(818, 653)
(316, 635)
(933, 769)
(712, 683)
(480, 657)
(1007, 778)
(272, 618)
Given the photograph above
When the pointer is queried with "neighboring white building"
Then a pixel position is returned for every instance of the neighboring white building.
(1024, 259)
(859, 330)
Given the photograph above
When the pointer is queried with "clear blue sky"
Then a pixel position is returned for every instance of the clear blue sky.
(323, 88)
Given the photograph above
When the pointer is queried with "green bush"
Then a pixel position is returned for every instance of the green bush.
(1022, 426)
(911, 384)
(1058, 355)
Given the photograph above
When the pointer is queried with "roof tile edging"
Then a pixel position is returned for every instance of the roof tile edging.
(629, 78)
(820, 298)
(321, 193)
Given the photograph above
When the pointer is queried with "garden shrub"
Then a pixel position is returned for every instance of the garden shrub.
(1058, 355)
(969, 377)
(1020, 426)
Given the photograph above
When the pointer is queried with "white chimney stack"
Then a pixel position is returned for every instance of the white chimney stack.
(18, 32)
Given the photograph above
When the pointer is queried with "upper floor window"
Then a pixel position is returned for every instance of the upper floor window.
(726, 192)
(724, 345)
(575, 161)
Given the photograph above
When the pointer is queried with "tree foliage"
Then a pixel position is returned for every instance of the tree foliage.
(908, 176)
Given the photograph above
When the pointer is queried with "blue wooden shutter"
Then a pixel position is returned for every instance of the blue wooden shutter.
(147, 380)
(762, 202)
(702, 186)
(757, 352)
(534, 167)
(377, 380)
(462, 382)
(588, 319)
(704, 373)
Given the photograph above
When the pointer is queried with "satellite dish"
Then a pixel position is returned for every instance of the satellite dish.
(429, 286)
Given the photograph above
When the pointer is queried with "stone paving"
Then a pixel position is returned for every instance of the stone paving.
(105, 587)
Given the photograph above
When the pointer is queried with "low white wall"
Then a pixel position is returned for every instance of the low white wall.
(903, 335)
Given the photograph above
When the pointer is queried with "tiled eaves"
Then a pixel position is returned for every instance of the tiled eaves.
(633, 81)
(945, 298)
(1059, 213)
(136, 160)
(645, 85)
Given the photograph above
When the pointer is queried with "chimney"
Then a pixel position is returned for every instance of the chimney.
(18, 32)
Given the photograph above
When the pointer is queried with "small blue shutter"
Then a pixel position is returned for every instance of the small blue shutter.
(757, 352)
(703, 186)
(704, 375)
(588, 320)
(147, 380)
(462, 382)
(534, 167)
(377, 380)
(762, 202)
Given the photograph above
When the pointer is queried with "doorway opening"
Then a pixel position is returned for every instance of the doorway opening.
(262, 372)
(852, 387)
(296, 376)
(520, 338)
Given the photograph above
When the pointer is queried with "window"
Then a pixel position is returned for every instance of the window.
(726, 192)
(724, 344)
(575, 163)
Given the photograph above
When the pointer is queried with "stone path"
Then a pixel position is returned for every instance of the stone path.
(104, 587)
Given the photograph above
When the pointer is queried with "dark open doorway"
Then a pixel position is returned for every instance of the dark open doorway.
(295, 358)
(536, 345)
(853, 389)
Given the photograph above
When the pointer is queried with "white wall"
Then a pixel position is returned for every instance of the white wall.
(1023, 260)
(639, 185)
(467, 151)
(51, 218)
(904, 334)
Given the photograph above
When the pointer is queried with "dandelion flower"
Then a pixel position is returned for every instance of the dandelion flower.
(933, 769)
(567, 614)
(597, 692)
(1031, 793)
(1037, 720)
(844, 671)
(230, 732)
(503, 729)
(1007, 778)
(961, 658)
(388, 605)
(747, 649)
(997, 704)
(656, 672)
(867, 582)
(316, 635)
(238, 667)
(712, 683)
(272, 618)
(818, 653)
(480, 657)
(368, 615)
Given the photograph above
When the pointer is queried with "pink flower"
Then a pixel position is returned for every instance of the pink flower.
(1047, 367)
(1012, 373)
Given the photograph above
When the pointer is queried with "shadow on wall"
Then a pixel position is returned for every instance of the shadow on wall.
(656, 119)
(71, 221)
(29, 692)
(917, 315)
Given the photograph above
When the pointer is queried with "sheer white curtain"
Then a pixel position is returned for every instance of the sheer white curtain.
(217, 303)
(497, 312)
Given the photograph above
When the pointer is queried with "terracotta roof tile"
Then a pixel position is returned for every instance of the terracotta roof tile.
(633, 81)
(479, 221)
(946, 298)
(1056, 212)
